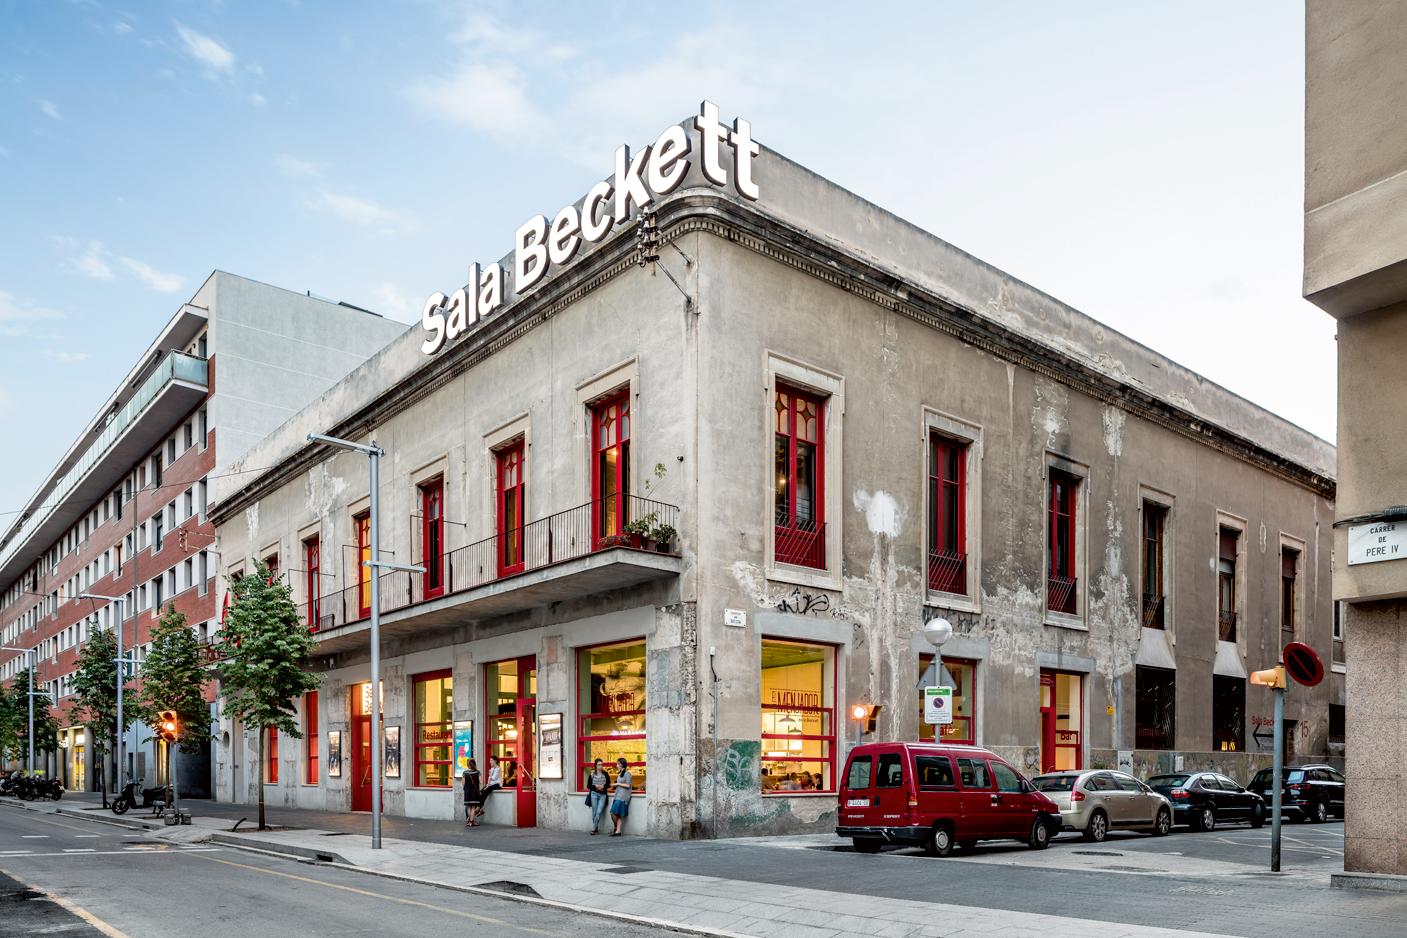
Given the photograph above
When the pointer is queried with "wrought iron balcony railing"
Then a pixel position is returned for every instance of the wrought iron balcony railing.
(1060, 594)
(800, 542)
(1152, 611)
(947, 571)
(1226, 626)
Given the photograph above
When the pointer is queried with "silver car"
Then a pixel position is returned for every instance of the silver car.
(1097, 801)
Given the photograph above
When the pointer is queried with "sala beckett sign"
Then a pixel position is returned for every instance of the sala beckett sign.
(725, 156)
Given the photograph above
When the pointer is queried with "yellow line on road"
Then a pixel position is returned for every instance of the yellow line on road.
(378, 895)
(76, 909)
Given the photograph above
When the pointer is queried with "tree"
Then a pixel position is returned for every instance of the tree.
(95, 696)
(174, 678)
(10, 717)
(266, 647)
(46, 728)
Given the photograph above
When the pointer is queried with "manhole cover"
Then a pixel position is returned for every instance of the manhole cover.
(1096, 853)
(517, 889)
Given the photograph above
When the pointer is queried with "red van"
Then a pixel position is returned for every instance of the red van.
(935, 796)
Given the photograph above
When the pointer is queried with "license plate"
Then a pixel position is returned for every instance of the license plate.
(858, 803)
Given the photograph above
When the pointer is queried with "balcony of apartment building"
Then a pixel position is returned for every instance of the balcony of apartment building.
(598, 547)
(173, 384)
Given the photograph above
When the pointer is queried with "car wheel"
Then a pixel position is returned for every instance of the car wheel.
(1039, 838)
(939, 843)
(1098, 828)
(1206, 819)
(1163, 823)
(867, 844)
(1258, 817)
(1321, 813)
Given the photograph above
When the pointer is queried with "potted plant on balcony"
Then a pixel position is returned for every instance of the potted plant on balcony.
(663, 536)
(638, 531)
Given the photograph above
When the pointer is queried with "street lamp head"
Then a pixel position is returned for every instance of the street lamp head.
(937, 631)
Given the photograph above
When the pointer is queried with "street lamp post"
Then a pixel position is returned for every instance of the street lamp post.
(33, 663)
(121, 680)
(374, 454)
(937, 631)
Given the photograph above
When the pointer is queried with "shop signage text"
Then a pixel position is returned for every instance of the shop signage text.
(539, 245)
(1373, 543)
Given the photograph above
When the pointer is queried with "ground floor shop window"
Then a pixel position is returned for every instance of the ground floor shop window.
(798, 717)
(310, 737)
(1062, 721)
(611, 704)
(1228, 713)
(1155, 710)
(271, 756)
(434, 734)
(510, 689)
(963, 727)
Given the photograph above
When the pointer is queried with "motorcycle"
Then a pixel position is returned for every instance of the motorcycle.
(50, 788)
(9, 784)
(133, 791)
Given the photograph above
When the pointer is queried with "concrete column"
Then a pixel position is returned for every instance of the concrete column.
(1375, 837)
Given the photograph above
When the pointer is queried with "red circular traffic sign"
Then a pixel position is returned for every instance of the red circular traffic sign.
(1303, 664)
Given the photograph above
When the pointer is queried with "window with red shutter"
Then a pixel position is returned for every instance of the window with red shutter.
(799, 462)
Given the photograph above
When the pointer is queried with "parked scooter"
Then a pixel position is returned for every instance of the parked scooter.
(10, 783)
(50, 788)
(133, 792)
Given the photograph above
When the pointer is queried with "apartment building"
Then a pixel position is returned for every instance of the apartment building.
(689, 498)
(123, 514)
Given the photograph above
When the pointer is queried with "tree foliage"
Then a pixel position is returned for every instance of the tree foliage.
(266, 647)
(46, 728)
(95, 691)
(174, 678)
(11, 715)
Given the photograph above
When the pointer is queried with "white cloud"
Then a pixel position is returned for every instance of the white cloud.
(488, 98)
(393, 302)
(491, 35)
(13, 310)
(215, 56)
(153, 278)
(291, 165)
(49, 109)
(89, 260)
(257, 99)
(64, 357)
(121, 28)
(362, 212)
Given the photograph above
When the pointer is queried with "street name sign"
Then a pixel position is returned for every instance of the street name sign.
(1376, 542)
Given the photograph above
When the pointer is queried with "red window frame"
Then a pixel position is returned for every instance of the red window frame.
(310, 738)
(511, 746)
(827, 719)
(432, 536)
(799, 419)
(446, 725)
(362, 524)
(963, 730)
(584, 766)
(947, 515)
(610, 465)
(512, 495)
(271, 757)
(271, 562)
(1061, 585)
(312, 565)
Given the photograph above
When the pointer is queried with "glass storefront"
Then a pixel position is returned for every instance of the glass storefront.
(964, 726)
(798, 717)
(506, 683)
(611, 704)
(434, 733)
(1062, 721)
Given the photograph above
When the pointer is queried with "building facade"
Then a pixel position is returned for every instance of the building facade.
(123, 514)
(1355, 269)
(692, 512)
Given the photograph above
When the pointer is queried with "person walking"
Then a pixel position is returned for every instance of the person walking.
(620, 804)
(598, 785)
(473, 795)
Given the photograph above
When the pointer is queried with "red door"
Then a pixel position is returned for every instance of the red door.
(527, 762)
(1061, 721)
(361, 763)
(610, 466)
(510, 509)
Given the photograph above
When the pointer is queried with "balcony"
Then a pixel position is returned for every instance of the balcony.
(1152, 611)
(561, 557)
(800, 542)
(947, 571)
(178, 384)
(1060, 594)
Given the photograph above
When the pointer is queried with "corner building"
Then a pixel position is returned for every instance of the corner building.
(691, 516)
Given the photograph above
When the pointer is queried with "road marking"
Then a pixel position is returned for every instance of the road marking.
(73, 907)
(79, 850)
(34, 836)
(81, 836)
(377, 895)
(90, 852)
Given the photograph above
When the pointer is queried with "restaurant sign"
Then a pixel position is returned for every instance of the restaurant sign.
(539, 245)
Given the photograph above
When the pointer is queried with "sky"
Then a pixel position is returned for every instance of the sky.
(1142, 162)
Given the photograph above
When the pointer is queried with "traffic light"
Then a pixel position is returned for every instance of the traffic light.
(168, 727)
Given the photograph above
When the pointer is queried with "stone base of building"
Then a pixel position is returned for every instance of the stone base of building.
(1382, 882)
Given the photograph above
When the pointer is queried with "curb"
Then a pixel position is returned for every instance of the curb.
(1378, 882)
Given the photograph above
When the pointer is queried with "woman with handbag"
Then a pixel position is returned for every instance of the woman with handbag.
(473, 797)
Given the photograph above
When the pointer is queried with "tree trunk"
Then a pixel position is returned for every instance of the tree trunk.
(259, 774)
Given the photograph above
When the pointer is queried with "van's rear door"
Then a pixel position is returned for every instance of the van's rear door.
(858, 805)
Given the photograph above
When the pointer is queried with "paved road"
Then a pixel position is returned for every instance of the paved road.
(109, 877)
(1131, 878)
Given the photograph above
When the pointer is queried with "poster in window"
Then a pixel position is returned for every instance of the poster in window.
(549, 735)
(393, 752)
(334, 754)
(463, 745)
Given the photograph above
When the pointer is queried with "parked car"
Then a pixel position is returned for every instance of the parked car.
(1204, 799)
(936, 796)
(1311, 792)
(1097, 801)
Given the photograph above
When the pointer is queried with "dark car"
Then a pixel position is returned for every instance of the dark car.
(1311, 792)
(1205, 799)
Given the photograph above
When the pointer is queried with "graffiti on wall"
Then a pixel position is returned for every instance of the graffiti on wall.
(804, 604)
(739, 764)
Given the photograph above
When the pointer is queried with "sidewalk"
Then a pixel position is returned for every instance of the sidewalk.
(688, 902)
